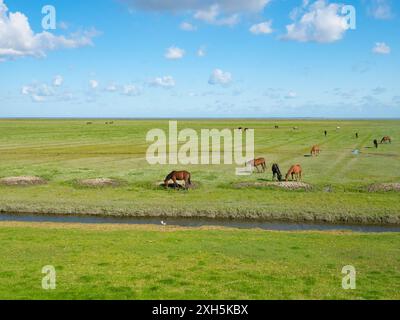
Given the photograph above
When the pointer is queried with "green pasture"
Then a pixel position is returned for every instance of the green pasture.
(65, 151)
(128, 262)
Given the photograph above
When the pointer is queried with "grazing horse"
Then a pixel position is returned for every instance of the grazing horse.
(294, 171)
(258, 162)
(376, 143)
(276, 172)
(276, 127)
(326, 133)
(315, 150)
(178, 176)
(386, 139)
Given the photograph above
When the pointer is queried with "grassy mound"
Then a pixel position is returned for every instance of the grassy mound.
(22, 181)
(384, 187)
(287, 185)
(99, 182)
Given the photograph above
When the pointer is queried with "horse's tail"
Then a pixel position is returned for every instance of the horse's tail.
(190, 182)
(279, 171)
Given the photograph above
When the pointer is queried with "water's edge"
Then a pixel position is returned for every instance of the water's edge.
(198, 222)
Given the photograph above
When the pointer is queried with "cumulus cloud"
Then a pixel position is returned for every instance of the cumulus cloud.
(381, 48)
(318, 22)
(380, 9)
(112, 87)
(195, 5)
(174, 53)
(163, 82)
(186, 26)
(291, 95)
(262, 28)
(58, 81)
(213, 15)
(201, 52)
(131, 90)
(220, 77)
(39, 92)
(217, 12)
(378, 90)
(93, 84)
(17, 39)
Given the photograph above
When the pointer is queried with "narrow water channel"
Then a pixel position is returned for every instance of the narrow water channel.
(198, 222)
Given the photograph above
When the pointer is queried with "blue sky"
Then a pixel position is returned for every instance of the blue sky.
(192, 58)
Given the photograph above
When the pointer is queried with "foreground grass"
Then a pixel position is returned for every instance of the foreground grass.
(64, 151)
(145, 262)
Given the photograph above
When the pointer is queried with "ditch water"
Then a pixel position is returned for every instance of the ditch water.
(198, 222)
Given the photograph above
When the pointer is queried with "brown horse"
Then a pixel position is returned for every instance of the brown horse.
(386, 139)
(178, 176)
(315, 150)
(258, 162)
(294, 171)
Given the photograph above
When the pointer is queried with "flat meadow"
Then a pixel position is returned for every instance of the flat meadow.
(96, 261)
(63, 152)
(155, 262)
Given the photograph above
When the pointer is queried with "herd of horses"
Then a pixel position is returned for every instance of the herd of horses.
(295, 171)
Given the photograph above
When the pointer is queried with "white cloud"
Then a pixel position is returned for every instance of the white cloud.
(94, 84)
(111, 88)
(63, 25)
(58, 81)
(212, 15)
(38, 92)
(164, 82)
(291, 95)
(131, 90)
(262, 28)
(17, 39)
(195, 5)
(220, 77)
(201, 52)
(378, 90)
(380, 9)
(381, 48)
(174, 53)
(217, 12)
(320, 22)
(186, 26)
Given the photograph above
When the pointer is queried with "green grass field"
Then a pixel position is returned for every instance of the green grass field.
(143, 262)
(64, 151)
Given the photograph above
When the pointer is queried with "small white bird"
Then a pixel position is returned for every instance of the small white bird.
(163, 223)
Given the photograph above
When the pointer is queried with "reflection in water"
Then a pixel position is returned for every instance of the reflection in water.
(197, 222)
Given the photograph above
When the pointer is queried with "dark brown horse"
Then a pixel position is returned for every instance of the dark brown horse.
(276, 172)
(295, 171)
(386, 139)
(178, 176)
(258, 162)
